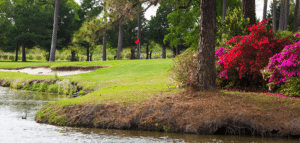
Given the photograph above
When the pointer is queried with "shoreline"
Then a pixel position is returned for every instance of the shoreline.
(174, 114)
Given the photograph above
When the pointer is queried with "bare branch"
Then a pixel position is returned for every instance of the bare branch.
(186, 6)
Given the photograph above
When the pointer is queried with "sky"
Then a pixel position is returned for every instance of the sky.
(259, 9)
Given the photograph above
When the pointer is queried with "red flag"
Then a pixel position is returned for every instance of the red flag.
(137, 41)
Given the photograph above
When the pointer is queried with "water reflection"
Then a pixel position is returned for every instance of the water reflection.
(13, 128)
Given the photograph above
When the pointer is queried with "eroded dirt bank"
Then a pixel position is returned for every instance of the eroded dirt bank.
(195, 113)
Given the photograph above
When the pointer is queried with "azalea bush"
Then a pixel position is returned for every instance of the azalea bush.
(184, 69)
(283, 66)
(250, 53)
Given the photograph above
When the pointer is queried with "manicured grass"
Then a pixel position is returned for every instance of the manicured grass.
(124, 81)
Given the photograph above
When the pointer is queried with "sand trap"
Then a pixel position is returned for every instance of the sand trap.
(47, 71)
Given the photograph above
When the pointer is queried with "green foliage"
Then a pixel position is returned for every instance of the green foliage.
(233, 25)
(169, 55)
(39, 57)
(11, 57)
(110, 57)
(30, 57)
(62, 58)
(286, 34)
(81, 92)
(292, 88)
(43, 87)
(184, 69)
(4, 57)
(53, 88)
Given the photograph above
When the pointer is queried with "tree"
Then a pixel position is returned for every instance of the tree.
(206, 70)
(224, 9)
(248, 10)
(296, 16)
(265, 9)
(158, 27)
(120, 39)
(54, 35)
(274, 16)
(281, 17)
(139, 35)
(286, 14)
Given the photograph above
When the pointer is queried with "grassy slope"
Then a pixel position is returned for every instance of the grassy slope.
(124, 81)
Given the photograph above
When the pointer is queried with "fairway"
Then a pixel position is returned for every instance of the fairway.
(124, 81)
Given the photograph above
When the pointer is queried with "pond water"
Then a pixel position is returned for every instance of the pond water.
(14, 103)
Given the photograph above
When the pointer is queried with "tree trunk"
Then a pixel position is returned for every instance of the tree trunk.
(139, 36)
(147, 51)
(120, 39)
(73, 53)
(177, 50)
(248, 10)
(91, 55)
(87, 52)
(132, 55)
(274, 16)
(206, 70)
(174, 52)
(286, 14)
(17, 50)
(265, 9)
(281, 16)
(104, 47)
(151, 54)
(23, 54)
(54, 35)
(163, 53)
(224, 10)
(296, 16)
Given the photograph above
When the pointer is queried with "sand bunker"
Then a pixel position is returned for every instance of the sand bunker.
(60, 71)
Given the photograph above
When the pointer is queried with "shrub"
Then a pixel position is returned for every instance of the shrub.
(46, 56)
(128, 55)
(53, 88)
(19, 57)
(283, 66)
(0, 57)
(69, 57)
(62, 58)
(233, 25)
(4, 57)
(184, 69)
(30, 57)
(250, 54)
(292, 88)
(110, 57)
(169, 55)
(81, 92)
(11, 57)
(39, 57)
(57, 57)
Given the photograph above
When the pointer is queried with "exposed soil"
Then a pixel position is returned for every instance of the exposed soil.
(189, 112)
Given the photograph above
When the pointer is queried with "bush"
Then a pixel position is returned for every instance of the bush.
(110, 57)
(57, 57)
(169, 55)
(11, 58)
(30, 57)
(0, 57)
(128, 55)
(4, 57)
(46, 56)
(39, 57)
(19, 58)
(292, 88)
(69, 57)
(184, 69)
(250, 54)
(62, 58)
(233, 25)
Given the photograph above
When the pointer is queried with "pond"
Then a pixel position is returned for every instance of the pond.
(15, 103)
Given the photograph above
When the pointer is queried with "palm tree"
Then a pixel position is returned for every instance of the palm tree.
(54, 35)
